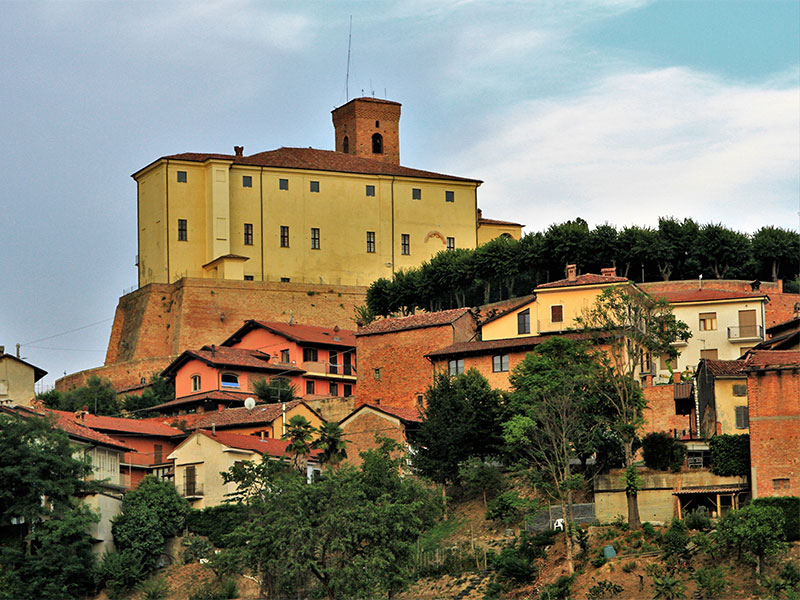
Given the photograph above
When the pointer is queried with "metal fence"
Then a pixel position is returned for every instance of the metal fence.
(581, 513)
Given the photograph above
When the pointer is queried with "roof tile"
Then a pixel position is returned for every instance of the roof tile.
(122, 425)
(433, 319)
(308, 334)
(708, 294)
(725, 367)
(586, 279)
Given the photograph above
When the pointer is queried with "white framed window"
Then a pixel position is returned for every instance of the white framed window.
(455, 366)
(500, 363)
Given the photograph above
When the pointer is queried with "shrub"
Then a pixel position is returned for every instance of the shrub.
(669, 588)
(790, 507)
(560, 589)
(755, 530)
(155, 588)
(711, 581)
(215, 522)
(514, 565)
(730, 455)
(697, 521)
(196, 548)
(119, 571)
(599, 560)
(509, 507)
(674, 540)
(662, 452)
(629, 566)
(605, 589)
(648, 529)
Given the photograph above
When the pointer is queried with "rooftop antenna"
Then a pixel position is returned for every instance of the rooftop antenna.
(347, 77)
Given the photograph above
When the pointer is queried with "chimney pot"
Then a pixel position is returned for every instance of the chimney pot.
(609, 271)
(572, 272)
(238, 150)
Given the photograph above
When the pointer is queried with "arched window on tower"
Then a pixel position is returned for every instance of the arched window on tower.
(377, 143)
(346, 145)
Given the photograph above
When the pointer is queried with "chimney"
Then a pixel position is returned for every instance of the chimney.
(572, 272)
(2, 350)
(213, 428)
(213, 350)
(238, 150)
(609, 272)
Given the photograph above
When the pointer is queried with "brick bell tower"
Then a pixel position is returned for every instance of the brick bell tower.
(369, 128)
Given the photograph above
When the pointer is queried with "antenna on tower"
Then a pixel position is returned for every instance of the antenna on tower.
(347, 76)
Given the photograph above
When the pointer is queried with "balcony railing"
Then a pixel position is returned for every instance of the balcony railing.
(746, 332)
(191, 490)
(325, 368)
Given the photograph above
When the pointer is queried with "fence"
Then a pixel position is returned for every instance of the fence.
(581, 513)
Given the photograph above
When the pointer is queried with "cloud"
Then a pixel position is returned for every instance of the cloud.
(636, 146)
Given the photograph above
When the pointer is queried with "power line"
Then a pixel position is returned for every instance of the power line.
(50, 337)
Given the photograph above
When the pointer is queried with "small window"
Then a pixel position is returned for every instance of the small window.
(500, 363)
(451, 243)
(370, 241)
(196, 383)
(742, 417)
(455, 366)
(333, 362)
(376, 374)
(284, 236)
(420, 400)
(229, 380)
(347, 390)
(449, 196)
(557, 313)
(333, 388)
(248, 234)
(377, 123)
(711, 354)
(740, 390)
(285, 356)
(524, 321)
(405, 244)
(247, 181)
(285, 280)
(666, 362)
(416, 194)
(708, 321)
(310, 387)
(183, 232)
(346, 145)
(377, 143)
(283, 184)
(315, 238)
(314, 186)
(181, 176)
(780, 484)
(249, 278)
(370, 190)
(158, 454)
(310, 355)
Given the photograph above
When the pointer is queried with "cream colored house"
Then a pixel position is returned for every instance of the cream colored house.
(202, 458)
(18, 379)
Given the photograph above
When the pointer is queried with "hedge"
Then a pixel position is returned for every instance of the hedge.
(215, 522)
(790, 507)
(730, 455)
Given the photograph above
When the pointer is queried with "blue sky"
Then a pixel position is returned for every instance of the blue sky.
(617, 111)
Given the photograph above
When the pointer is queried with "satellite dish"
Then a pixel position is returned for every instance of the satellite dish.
(249, 403)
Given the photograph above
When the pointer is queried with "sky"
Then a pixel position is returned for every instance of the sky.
(616, 111)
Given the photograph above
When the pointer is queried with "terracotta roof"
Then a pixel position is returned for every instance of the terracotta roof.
(483, 221)
(483, 347)
(303, 334)
(495, 314)
(224, 356)
(212, 395)
(758, 360)
(316, 160)
(792, 324)
(262, 413)
(586, 279)
(720, 368)
(434, 319)
(121, 425)
(677, 296)
(409, 415)
(66, 422)
(270, 446)
(37, 372)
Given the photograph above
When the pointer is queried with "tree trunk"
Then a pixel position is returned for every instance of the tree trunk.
(567, 538)
(487, 292)
(444, 499)
(632, 498)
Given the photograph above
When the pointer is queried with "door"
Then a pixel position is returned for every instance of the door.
(747, 324)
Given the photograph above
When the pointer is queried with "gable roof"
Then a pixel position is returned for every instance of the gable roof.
(230, 417)
(772, 360)
(225, 356)
(122, 425)
(406, 415)
(586, 279)
(316, 160)
(266, 446)
(518, 344)
(484, 221)
(495, 314)
(67, 423)
(722, 368)
(223, 396)
(705, 295)
(37, 372)
(420, 321)
(301, 334)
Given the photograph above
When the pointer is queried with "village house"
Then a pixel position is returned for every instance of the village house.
(369, 420)
(18, 380)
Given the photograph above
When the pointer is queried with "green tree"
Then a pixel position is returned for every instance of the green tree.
(332, 444)
(663, 452)
(461, 419)
(754, 530)
(636, 251)
(98, 396)
(299, 433)
(566, 243)
(481, 476)
(160, 391)
(277, 389)
(603, 241)
(674, 248)
(721, 250)
(633, 328)
(353, 532)
(51, 554)
(777, 251)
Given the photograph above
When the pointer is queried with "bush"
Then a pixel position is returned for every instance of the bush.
(196, 548)
(730, 455)
(560, 589)
(629, 566)
(119, 571)
(605, 589)
(790, 507)
(648, 529)
(215, 522)
(662, 452)
(674, 540)
(511, 564)
(711, 581)
(509, 507)
(669, 588)
(156, 588)
(697, 521)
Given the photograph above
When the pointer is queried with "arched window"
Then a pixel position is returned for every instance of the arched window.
(377, 143)
(346, 145)
(229, 380)
(195, 383)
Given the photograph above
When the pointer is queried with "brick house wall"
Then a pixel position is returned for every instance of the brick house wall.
(659, 414)
(360, 431)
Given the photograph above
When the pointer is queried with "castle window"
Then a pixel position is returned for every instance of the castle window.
(377, 123)
(183, 233)
(557, 313)
(333, 362)
(451, 243)
(524, 321)
(195, 383)
(283, 184)
(346, 145)
(229, 380)
(455, 366)
(247, 181)
(310, 355)
(377, 143)
(181, 176)
(500, 363)
(284, 236)
(420, 400)
(158, 453)
(740, 389)
(310, 387)
(405, 243)
(370, 190)
(315, 238)
(370, 241)
(416, 194)
(314, 186)
(449, 196)
(248, 234)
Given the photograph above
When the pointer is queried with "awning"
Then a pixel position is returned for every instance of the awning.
(711, 490)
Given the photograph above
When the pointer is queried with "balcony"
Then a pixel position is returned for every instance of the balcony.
(191, 489)
(325, 369)
(746, 333)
